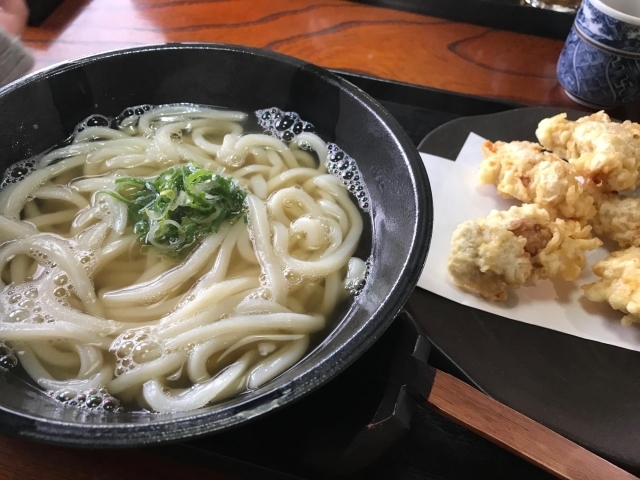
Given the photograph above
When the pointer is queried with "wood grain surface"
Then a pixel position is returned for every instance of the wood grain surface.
(337, 34)
(467, 406)
(407, 47)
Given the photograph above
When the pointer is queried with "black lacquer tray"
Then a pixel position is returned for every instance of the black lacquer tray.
(513, 15)
(584, 390)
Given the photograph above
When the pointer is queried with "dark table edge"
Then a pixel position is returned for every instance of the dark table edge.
(500, 14)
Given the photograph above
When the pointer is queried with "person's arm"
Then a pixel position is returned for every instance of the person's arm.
(15, 58)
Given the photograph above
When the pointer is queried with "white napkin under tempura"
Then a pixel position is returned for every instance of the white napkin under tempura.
(555, 304)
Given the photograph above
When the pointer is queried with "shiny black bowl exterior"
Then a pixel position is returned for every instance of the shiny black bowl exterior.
(41, 110)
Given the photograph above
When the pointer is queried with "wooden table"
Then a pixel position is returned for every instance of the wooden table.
(385, 43)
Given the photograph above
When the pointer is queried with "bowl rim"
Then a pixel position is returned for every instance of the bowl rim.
(203, 422)
(613, 12)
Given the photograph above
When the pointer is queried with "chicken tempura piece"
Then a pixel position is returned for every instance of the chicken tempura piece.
(618, 218)
(501, 252)
(556, 133)
(620, 284)
(522, 170)
(488, 258)
(556, 246)
(603, 152)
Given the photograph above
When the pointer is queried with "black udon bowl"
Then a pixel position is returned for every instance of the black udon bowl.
(42, 109)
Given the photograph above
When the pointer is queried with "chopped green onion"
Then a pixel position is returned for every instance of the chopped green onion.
(180, 207)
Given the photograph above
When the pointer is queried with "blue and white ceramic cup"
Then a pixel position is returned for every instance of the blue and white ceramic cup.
(600, 63)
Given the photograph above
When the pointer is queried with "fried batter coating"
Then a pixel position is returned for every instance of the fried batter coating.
(488, 258)
(603, 152)
(522, 170)
(618, 218)
(501, 252)
(620, 284)
(556, 246)
(556, 133)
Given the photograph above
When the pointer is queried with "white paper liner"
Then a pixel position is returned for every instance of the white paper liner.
(555, 304)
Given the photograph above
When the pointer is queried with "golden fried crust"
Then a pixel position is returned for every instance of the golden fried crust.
(619, 284)
(603, 152)
(555, 134)
(501, 252)
(521, 170)
(562, 252)
(488, 258)
(618, 218)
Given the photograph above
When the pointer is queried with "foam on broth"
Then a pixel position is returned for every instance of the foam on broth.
(100, 315)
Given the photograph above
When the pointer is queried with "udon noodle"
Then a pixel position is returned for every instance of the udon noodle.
(96, 315)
